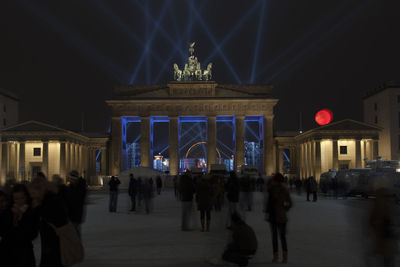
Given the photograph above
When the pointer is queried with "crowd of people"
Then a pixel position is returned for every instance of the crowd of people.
(48, 208)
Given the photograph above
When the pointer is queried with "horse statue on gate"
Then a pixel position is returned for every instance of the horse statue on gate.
(207, 74)
(177, 73)
(198, 72)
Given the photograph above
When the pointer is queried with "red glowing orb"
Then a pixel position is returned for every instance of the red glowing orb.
(324, 117)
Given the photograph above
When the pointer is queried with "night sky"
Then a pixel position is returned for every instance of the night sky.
(62, 58)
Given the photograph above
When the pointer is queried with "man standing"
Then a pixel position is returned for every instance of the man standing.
(132, 191)
(232, 194)
(311, 186)
(113, 184)
(279, 202)
(159, 184)
(186, 189)
(75, 196)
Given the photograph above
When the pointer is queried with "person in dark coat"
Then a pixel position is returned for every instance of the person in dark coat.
(186, 191)
(232, 194)
(244, 242)
(311, 187)
(158, 184)
(52, 212)
(132, 191)
(114, 184)
(204, 197)
(246, 192)
(75, 198)
(278, 203)
(19, 226)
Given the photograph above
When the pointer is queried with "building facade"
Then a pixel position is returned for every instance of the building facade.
(382, 108)
(9, 109)
(32, 147)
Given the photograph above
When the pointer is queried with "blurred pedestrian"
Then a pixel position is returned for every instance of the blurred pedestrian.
(113, 184)
(232, 194)
(148, 194)
(52, 212)
(19, 226)
(75, 199)
(244, 242)
(278, 203)
(298, 184)
(245, 192)
(132, 191)
(311, 187)
(159, 184)
(204, 198)
(382, 221)
(186, 191)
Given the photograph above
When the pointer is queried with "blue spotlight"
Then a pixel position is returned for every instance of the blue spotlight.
(248, 13)
(210, 35)
(69, 35)
(142, 57)
(259, 31)
(334, 28)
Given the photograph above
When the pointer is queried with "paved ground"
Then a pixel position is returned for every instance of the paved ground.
(326, 233)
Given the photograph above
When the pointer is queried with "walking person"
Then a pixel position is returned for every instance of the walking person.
(232, 194)
(19, 226)
(204, 197)
(113, 184)
(278, 203)
(311, 186)
(158, 184)
(52, 212)
(186, 191)
(132, 191)
(148, 192)
(75, 197)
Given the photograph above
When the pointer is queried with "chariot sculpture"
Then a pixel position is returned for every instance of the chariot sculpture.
(192, 70)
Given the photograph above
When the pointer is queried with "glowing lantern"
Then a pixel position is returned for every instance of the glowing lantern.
(324, 117)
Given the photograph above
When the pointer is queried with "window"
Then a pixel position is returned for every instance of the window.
(4, 122)
(343, 150)
(375, 106)
(4, 108)
(343, 166)
(36, 151)
(376, 119)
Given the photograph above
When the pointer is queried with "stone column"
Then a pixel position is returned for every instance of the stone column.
(335, 154)
(45, 159)
(268, 144)
(358, 153)
(116, 146)
(3, 170)
(21, 168)
(145, 146)
(63, 157)
(293, 158)
(309, 159)
(239, 142)
(317, 163)
(211, 141)
(173, 146)
(103, 161)
(375, 152)
(280, 159)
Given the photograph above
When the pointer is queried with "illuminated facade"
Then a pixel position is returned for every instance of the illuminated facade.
(382, 108)
(31, 147)
(340, 145)
(177, 101)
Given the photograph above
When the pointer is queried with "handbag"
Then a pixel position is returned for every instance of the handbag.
(71, 247)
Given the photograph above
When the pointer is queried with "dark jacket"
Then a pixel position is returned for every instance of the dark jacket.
(132, 190)
(75, 197)
(279, 202)
(16, 249)
(243, 238)
(245, 184)
(186, 188)
(51, 211)
(114, 183)
(232, 189)
(159, 182)
(204, 194)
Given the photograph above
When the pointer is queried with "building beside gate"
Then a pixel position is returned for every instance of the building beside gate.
(31, 147)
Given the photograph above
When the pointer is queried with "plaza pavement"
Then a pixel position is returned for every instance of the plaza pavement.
(326, 233)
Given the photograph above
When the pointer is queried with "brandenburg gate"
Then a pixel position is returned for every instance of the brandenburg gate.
(192, 93)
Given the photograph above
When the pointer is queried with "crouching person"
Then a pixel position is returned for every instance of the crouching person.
(243, 244)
